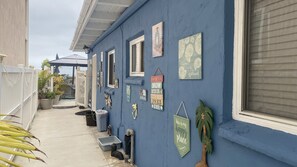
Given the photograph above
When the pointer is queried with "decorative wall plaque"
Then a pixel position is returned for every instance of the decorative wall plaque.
(157, 96)
(157, 40)
(204, 124)
(190, 57)
(128, 93)
(116, 83)
(143, 94)
(134, 111)
(108, 101)
(182, 132)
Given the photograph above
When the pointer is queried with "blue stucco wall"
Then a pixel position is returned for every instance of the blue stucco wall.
(154, 129)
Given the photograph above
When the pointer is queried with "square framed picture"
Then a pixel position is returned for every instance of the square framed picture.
(157, 40)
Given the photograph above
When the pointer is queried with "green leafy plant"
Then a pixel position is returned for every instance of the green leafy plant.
(45, 63)
(204, 123)
(43, 79)
(13, 141)
(50, 95)
(46, 94)
(58, 84)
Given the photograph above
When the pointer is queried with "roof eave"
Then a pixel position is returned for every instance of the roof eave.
(85, 14)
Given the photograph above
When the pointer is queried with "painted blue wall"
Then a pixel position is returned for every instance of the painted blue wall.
(154, 129)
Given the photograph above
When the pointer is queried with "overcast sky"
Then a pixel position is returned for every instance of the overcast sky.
(52, 26)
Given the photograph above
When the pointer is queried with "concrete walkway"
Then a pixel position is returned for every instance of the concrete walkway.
(67, 141)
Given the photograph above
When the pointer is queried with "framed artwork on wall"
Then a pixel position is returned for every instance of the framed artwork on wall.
(128, 93)
(157, 40)
(190, 57)
(143, 94)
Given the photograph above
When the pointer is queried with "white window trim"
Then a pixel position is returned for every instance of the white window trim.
(133, 42)
(108, 59)
(273, 122)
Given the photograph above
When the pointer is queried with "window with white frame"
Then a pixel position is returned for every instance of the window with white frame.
(137, 57)
(111, 68)
(265, 63)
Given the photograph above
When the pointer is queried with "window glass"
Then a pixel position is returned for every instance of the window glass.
(111, 69)
(137, 57)
(134, 58)
(142, 57)
(271, 58)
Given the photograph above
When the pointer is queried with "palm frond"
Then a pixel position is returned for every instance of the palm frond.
(207, 142)
(14, 137)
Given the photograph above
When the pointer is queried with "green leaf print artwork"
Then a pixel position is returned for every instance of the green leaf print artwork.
(190, 57)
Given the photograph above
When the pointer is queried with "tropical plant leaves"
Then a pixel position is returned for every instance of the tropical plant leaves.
(208, 145)
(12, 137)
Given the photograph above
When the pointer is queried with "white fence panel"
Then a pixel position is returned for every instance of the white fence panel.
(19, 93)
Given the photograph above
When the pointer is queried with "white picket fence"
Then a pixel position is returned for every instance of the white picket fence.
(19, 93)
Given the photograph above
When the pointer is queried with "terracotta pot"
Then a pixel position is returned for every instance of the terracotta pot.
(46, 104)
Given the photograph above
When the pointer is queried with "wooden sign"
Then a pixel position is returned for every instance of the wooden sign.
(156, 85)
(156, 91)
(157, 107)
(181, 132)
(157, 96)
(157, 99)
(157, 78)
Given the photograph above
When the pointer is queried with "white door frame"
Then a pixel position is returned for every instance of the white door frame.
(94, 82)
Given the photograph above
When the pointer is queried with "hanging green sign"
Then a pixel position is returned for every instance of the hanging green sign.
(182, 132)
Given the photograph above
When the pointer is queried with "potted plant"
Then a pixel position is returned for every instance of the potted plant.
(58, 95)
(44, 95)
(58, 85)
(46, 99)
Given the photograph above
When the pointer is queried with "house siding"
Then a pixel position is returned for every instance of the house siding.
(14, 31)
(154, 129)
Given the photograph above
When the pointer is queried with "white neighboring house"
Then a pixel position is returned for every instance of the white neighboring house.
(18, 83)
